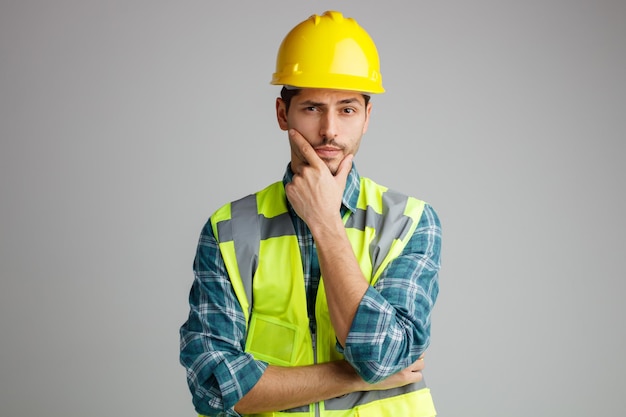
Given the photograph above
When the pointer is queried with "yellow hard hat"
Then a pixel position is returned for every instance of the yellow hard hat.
(329, 51)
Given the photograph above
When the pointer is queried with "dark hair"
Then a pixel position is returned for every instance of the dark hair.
(288, 93)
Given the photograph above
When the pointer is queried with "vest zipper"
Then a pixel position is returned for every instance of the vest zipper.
(314, 343)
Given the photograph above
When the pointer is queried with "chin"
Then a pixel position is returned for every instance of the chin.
(332, 167)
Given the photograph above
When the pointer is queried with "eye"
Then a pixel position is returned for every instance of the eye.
(349, 110)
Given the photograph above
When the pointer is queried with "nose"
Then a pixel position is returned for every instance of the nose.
(329, 125)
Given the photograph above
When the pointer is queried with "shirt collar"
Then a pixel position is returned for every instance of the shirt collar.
(350, 193)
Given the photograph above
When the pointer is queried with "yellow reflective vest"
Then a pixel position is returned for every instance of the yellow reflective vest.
(262, 256)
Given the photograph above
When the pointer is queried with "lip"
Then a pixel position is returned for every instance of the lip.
(327, 151)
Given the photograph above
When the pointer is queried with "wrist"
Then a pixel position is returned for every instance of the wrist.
(327, 229)
(350, 378)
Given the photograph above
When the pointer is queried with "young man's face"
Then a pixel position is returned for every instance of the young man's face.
(332, 121)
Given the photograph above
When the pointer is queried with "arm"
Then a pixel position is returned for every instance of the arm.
(212, 339)
(399, 306)
(283, 388)
(382, 330)
(316, 196)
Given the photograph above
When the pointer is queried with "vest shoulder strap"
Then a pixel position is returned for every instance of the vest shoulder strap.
(393, 215)
(251, 219)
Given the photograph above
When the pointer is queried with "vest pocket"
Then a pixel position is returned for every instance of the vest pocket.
(272, 340)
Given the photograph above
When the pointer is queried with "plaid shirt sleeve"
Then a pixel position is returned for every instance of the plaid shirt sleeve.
(391, 328)
(212, 340)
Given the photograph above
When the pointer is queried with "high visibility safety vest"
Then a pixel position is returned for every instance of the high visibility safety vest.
(261, 253)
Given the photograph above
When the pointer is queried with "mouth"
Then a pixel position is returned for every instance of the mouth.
(328, 152)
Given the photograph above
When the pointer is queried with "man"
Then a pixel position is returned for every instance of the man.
(313, 296)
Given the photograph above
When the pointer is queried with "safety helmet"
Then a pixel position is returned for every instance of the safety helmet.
(329, 51)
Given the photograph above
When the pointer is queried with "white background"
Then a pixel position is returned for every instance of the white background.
(124, 124)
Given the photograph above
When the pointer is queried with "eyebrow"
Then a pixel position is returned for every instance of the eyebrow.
(320, 104)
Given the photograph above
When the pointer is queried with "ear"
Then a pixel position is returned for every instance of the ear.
(281, 113)
(368, 111)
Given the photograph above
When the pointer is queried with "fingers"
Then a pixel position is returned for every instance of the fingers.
(417, 366)
(303, 149)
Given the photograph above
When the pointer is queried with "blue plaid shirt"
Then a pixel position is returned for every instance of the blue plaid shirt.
(390, 331)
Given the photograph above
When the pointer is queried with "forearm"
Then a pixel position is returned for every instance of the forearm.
(282, 388)
(344, 282)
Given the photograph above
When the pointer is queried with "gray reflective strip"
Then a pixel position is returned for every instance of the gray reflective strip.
(303, 409)
(354, 399)
(391, 224)
(278, 226)
(349, 401)
(395, 225)
(247, 239)
(246, 228)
